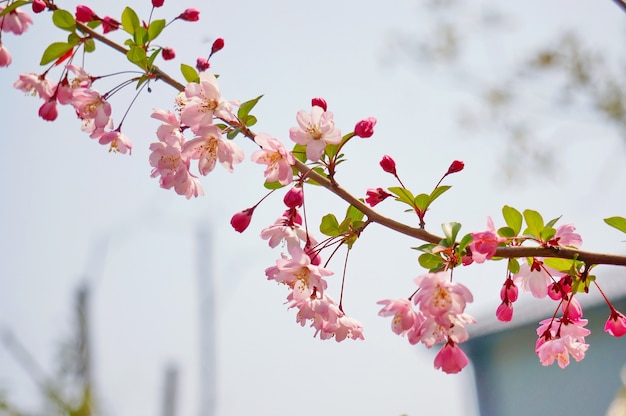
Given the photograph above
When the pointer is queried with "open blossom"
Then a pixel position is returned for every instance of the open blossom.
(289, 232)
(315, 130)
(32, 83)
(374, 196)
(404, 317)
(5, 56)
(440, 298)
(16, 21)
(560, 349)
(305, 278)
(173, 169)
(451, 359)
(278, 159)
(117, 141)
(209, 148)
(565, 236)
(534, 278)
(169, 131)
(485, 243)
(203, 102)
(89, 104)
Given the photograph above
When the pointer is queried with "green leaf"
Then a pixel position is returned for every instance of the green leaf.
(506, 232)
(354, 214)
(64, 20)
(141, 36)
(422, 201)
(513, 266)
(250, 121)
(436, 193)
(152, 57)
(403, 194)
(465, 241)
(273, 185)
(553, 221)
(345, 225)
(73, 38)
(534, 223)
(513, 219)
(189, 73)
(155, 29)
(299, 152)
(329, 225)
(451, 230)
(562, 265)
(233, 133)
(90, 45)
(245, 108)
(13, 6)
(137, 56)
(426, 248)
(617, 222)
(430, 261)
(142, 80)
(130, 20)
(547, 233)
(55, 51)
(94, 24)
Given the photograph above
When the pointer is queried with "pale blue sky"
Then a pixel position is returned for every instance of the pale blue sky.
(63, 195)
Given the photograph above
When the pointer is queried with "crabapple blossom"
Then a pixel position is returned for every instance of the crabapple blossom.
(484, 244)
(455, 166)
(374, 196)
(48, 111)
(38, 6)
(32, 83)
(440, 298)
(566, 237)
(241, 220)
(504, 313)
(168, 53)
(277, 158)
(89, 104)
(5, 56)
(84, 14)
(404, 317)
(16, 21)
(203, 102)
(169, 131)
(118, 141)
(365, 128)
(388, 164)
(534, 278)
(209, 148)
(190, 15)
(218, 45)
(109, 24)
(559, 349)
(315, 130)
(300, 275)
(320, 102)
(173, 169)
(294, 197)
(451, 359)
(616, 324)
(202, 64)
(287, 231)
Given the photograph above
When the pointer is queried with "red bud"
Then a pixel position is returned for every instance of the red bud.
(388, 164)
(456, 166)
(320, 102)
(365, 128)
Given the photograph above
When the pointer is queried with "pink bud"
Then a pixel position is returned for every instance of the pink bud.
(365, 128)
(388, 164)
(616, 324)
(84, 14)
(190, 15)
(294, 197)
(241, 220)
(5, 56)
(320, 102)
(456, 166)
(202, 64)
(109, 24)
(504, 313)
(38, 6)
(218, 44)
(48, 111)
(157, 3)
(168, 53)
(375, 196)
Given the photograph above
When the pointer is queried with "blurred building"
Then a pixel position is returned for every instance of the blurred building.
(510, 380)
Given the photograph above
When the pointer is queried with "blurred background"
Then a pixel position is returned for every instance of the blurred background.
(162, 309)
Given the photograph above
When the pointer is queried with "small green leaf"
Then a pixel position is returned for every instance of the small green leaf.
(250, 121)
(141, 36)
(73, 38)
(562, 265)
(90, 45)
(142, 80)
(245, 108)
(422, 201)
(513, 266)
(451, 230)
(189, 73)
(233, 133)
(155, 29)
(465, 241)
(534, 223)
(329, 225)
(354, 214)
(94, 24)
(547, 233)
(430, 261)
(513, 219)
(345, 225)
(64, 20)
(553, 221)
(137, 56)
(403, 194)
(617, 222)
(55, 51)
(506, 232)
(436, 193)
(426, 248)
(13, 6)
(153, 57)
(130, 20)
(299, 152)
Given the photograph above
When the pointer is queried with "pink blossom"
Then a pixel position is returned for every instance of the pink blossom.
(430, 331)
(440, 298)
(84, 14)
(509, 290)
(278, 159)
(348, 328)
(559, 349)
(566, 237)
(218, 45)
(190, 15)
(203, 103)
(534, 278)
(39, 6)
(374, 196)
(301, 275)
(289, 232)
(16, 21)
(173, 169)
(485, 243)
(365, 128)
(241, 220)
(202, 64)
(404, 317)
(504, 313)
(89, 104)
(169, 131)
(451, 359)
(388, 164)
(48, 111)
(32, 83)
(320, 102)
(616, 324)
(315, 130)
(209, 148)
(119, 142)
(5, 56)
(294, 197)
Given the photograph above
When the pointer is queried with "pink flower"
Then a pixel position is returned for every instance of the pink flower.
(348, 328)
(38, 6)
(290, 232)
(202, 64)
(365, 128)
(504, 313)
(173, 169)
(320, 102)
(32, 83)
(5, 56)
(169, 131)
(440, 298)
(565, 236)
(509, 291)
(218, 45)
(278, 159)
(616, 324)
(534, 278)
(209, 148)
(376, 195)
(168, 53)
(203, 103)
(315, 130)
(559, 349)
(305, 278)
(109, 24)
(84, 14)
(89, 104)
(451, 359)
(388, 164)
(190, 15)
(485, 243)
(16, 21)
(404, 317)
(241, 220)
(118, 141)
(294, 197)
(48, 111)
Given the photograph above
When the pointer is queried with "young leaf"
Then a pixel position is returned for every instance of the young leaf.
(547, 233)
(553, 221)
(422, 201)
(273, 185)
(64, 20)
(130, 20)
(137, 56)
(345, 225)
(299, 152)
(329, 225)
(245, 108)
(250, 121)
(562, 265)
(233, 133)
(451, 230)
(513, 266)
(506, 232)
(54, 51)
(189, 73)
(534, 221)
(513, 219)
(354, 214)
(617, 222)
(141, 36)
(465, 241)
(430, 261)
(403, 194)
(436, 193)
(90, 45)
(155, 29)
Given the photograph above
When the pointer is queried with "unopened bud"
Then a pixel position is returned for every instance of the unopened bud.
(365, 128)
(202, 64)
(38, 6)
(157, 3)
(217, 46)
(241, 220)
(456, 166)
(388, 164)
(168, 53)
(84, 14)
(190, 15)
(320, 102)
(294, 197)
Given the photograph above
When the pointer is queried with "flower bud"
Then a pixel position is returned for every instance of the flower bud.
(217, 46)
(456, 166)
(202, 64)
(38, 6)
(504, 313)
(616, 324)
(190, 15)
(376, 195)
(294, 197)
(388, 164)
(168, 53)
(157, 3)
(48, 111)
(241, 220)
(320, 102)
(84, 14)
(365, 128)
(5, 56)
(109, 24)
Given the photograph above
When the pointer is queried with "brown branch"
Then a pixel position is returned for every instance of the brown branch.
(373, 216)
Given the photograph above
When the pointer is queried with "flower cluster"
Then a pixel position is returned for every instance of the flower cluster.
(17, 22)
(440, 318)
